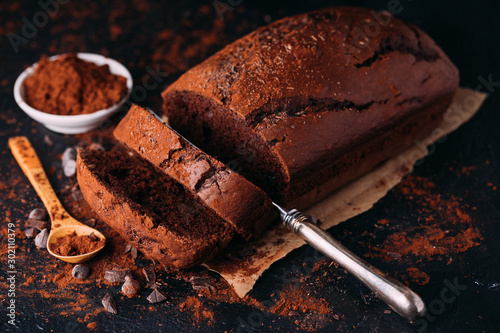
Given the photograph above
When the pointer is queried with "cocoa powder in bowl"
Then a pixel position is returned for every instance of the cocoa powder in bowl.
(74, 245)
(69, 85)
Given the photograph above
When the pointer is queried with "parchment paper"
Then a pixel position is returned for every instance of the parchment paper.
(242, 272)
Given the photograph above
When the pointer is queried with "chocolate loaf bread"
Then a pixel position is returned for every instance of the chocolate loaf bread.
(232, 197)
(150, 210)
(308, 103)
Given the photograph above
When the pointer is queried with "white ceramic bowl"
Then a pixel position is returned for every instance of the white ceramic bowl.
(73, 124)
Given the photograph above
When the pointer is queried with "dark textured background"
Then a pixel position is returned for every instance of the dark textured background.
(177, 35)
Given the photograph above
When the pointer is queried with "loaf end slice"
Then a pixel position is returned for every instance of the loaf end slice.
(151, 211)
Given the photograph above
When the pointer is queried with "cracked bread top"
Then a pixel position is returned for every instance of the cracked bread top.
(314, 86)
(343, 56)
(231, 196)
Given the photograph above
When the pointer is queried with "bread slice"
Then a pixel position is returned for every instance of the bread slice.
(231, 196)
(150, 210)
(311, 102)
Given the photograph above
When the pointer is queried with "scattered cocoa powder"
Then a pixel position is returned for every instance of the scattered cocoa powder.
(296, 300)
(73, 244)
(71, 86)
(383, 221)
(418, 276)
(444, 227)
(196, 306)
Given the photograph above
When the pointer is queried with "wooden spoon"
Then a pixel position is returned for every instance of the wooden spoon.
(62, 223)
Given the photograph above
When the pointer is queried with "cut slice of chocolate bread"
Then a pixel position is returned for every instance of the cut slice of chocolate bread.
(311, 102)
(232, 197)
(150, 210)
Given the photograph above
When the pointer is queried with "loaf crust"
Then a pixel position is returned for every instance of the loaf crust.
(301, 94)
(231, 196)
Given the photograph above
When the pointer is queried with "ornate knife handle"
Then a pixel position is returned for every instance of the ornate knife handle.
(399, 297)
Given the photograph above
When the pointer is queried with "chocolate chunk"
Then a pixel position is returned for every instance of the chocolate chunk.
(41, 239)
(38, 214)
(93, 237)
(69, 154)
(89, 222)
(133, 252)
(31, 232)
(69, 168)
(197, 280)
(109, 303)
(114, 276)
(203, 287)
(202, 283)
(80, 271)
(150, 276)
(130, 287)
(68, 161)
(37, 224)
(156, 296)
